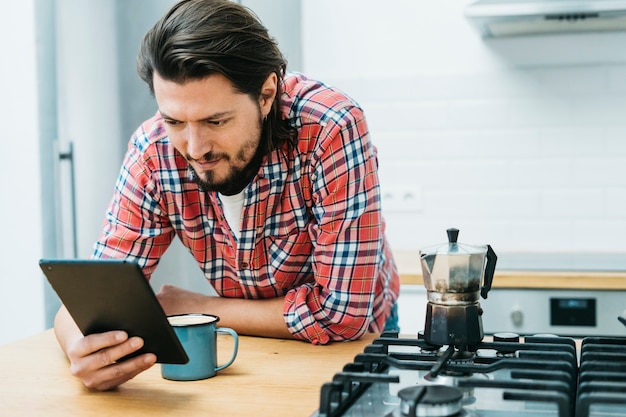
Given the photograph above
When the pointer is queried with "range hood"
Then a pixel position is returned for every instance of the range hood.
(495, 18)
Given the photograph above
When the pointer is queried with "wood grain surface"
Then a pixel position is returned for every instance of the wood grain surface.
(270, 377)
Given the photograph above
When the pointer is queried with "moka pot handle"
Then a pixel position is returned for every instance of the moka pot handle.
(490, 269)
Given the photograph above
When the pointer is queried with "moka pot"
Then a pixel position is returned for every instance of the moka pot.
(456, 275)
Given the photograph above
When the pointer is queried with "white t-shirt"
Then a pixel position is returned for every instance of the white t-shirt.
(233, 206)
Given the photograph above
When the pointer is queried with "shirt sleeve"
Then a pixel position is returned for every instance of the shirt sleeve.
(347, 235)
(136, 226)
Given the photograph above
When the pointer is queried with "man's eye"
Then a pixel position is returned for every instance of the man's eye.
(217, 122)
(172, 122)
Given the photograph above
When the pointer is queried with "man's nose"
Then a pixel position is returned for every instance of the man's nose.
(198, 142)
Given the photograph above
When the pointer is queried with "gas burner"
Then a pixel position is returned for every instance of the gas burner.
(462, 356)
(463, 382)
(506, 337)
(453, 379)
(430, 401)
(450, 354)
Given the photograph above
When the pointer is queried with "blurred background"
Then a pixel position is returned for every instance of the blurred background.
(517, 141)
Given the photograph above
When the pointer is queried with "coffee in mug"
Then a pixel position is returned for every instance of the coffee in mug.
(198, 335)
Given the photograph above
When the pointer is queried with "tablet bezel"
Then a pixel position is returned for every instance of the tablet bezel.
(113, 294)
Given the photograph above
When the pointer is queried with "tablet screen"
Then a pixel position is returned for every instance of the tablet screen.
(113, 294)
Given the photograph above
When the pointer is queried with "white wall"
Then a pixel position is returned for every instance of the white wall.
(21, 286)
(517, 142)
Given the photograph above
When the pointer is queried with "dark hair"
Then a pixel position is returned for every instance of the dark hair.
(197, 38)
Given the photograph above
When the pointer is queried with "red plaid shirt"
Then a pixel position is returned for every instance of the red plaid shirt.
(311, 226)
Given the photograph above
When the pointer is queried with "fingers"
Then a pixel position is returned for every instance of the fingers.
(94, 359)
(94, 343)
(116, 374)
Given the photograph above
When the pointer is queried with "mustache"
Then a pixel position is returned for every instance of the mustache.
(207, 157)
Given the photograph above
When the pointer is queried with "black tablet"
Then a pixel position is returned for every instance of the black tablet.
(113, 294)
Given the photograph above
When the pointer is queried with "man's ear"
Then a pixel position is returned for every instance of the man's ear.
(268, 93)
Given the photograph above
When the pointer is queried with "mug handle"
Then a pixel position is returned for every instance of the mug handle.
(235, 337)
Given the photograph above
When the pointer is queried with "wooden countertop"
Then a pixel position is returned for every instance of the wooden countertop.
(270, 377)
(411, 274)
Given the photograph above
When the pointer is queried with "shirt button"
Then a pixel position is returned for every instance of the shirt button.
(243, 265)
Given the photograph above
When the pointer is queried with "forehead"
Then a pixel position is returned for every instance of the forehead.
(198, 99)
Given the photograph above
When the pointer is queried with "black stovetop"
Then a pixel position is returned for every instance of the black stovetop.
(528, 376)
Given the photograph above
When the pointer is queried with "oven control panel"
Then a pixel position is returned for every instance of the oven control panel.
(560, 312)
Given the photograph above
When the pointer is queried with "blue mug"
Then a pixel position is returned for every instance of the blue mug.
(198, 335)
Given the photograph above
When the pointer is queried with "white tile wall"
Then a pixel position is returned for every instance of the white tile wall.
(520, 143)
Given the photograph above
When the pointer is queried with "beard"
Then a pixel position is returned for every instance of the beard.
(240, 173)
(236, 180)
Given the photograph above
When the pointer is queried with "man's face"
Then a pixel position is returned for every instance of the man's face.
(215, 127)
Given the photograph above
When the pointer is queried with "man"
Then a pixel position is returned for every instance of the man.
(269, 179)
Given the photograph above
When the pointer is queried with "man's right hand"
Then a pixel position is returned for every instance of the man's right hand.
(94, 359)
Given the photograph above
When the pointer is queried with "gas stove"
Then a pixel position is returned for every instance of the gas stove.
(541, 375)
